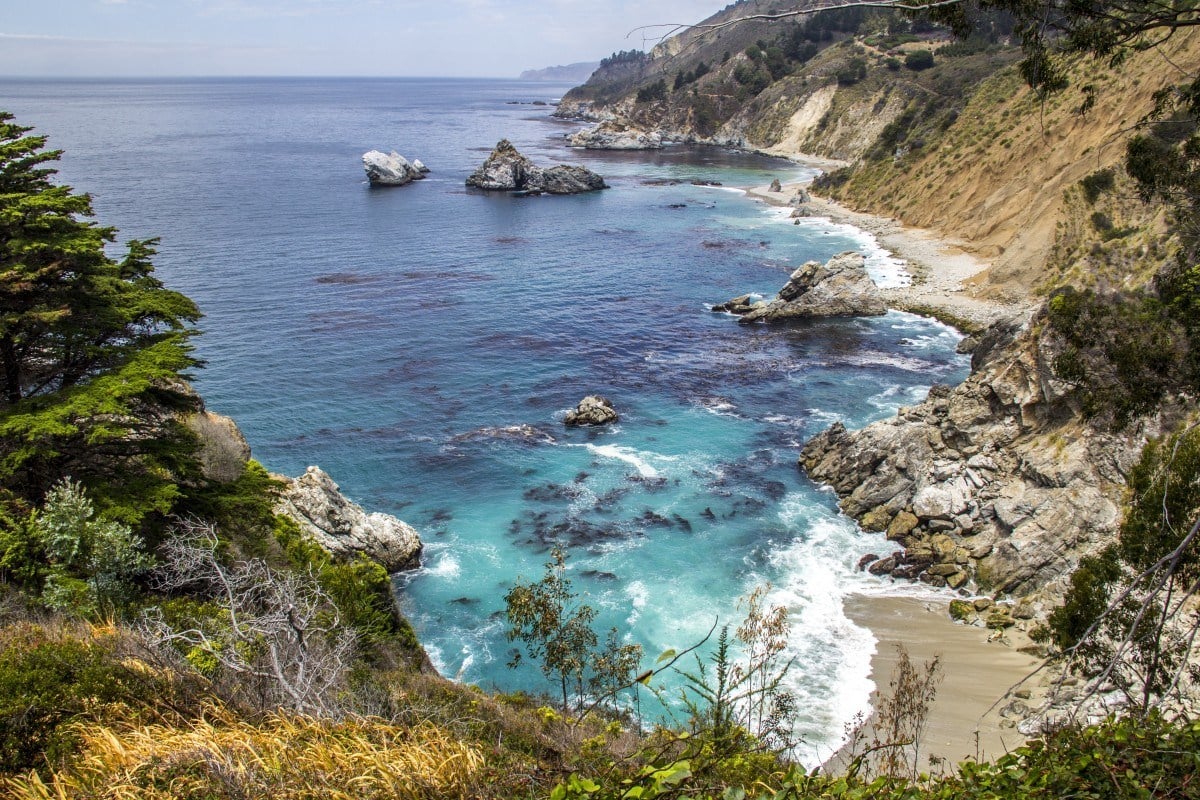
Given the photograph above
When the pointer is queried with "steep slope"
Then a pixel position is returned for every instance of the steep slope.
(999, 177)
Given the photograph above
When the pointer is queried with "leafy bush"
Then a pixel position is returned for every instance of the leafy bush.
(1097, 184)
(918, 60)
(851, 72)
(655, 91)
(49, 679)
(1123, 353)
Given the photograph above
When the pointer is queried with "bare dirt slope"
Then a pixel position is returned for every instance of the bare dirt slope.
(997, 178)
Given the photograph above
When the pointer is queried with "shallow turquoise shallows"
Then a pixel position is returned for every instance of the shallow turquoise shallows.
(399, 338)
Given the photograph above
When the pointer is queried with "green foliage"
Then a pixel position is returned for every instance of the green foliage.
(737, 700)
(72, 560)
(1124, 353)
(623, 57)
(853, 71)
(1123, 614)
(89, 346)
(917, 60)
(652, 92)
(555, 629)
(243, 509)
(49, 681)
(1097, 184)
(359, 587)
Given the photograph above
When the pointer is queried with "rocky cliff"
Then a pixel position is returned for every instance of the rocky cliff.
(999, 484)
(340, 526)
(995, 482)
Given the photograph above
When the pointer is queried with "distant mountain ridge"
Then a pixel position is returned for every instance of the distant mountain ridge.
(579, 71)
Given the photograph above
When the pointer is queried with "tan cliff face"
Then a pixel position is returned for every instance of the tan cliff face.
(999, 178)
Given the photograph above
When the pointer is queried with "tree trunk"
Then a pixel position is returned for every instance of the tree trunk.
(12, 370)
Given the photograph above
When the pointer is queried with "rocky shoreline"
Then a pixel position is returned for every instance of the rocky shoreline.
(313, 501)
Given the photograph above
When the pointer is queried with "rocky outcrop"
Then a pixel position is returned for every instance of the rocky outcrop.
(393, 169)
(342, 527)
(507, 170)
(838, 288)
(996, 481)
(615, 136)
(592, 410)
(223, 450)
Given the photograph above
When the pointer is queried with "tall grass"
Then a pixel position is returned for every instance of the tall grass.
(285, 756)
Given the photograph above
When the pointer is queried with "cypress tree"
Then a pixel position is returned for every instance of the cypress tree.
(93, 349)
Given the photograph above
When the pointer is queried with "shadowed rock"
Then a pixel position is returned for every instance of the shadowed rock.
(509, 171)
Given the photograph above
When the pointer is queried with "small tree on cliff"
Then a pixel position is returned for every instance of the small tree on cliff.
(91, 347)
(556, 630)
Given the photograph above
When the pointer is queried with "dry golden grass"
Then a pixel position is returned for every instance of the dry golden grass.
(288, 757)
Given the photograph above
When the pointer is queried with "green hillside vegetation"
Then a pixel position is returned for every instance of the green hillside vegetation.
(165, 634)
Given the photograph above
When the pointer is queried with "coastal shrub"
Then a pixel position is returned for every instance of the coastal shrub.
(1097, 184)
(556, 631)
(652, 92)
(918, 60)
(1123, 353)
(52, 677)
(851, 72)
(1123, 613)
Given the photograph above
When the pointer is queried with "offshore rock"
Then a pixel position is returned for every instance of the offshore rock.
(592, 410)
(391, 169)
(507, 170)
(997, 480)
(838, 288)
(615, 136)
(342, 527)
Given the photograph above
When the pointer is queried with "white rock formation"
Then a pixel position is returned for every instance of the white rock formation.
(342, 527)
(392, 169)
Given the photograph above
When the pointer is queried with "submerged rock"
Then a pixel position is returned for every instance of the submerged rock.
(592, 410)
(838, 288)
(342, 527)
(507, 170)
(392, 169)
(615, 136)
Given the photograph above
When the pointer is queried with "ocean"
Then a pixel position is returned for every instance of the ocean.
(422, 343)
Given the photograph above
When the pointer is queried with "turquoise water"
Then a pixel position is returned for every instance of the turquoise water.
(391, 335)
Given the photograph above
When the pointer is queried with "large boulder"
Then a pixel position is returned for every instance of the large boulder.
(615, 136)
(592, 410)
(342, 527)
(392, 169)
(223, 451)
(838, 288)
(509, 171)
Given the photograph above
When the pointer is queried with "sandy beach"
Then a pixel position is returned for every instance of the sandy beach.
(944, 273)
(965, 720)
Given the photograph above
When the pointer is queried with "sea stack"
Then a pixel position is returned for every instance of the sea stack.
(838, 288)
(592, 410)
(392, 169)
(506, 170)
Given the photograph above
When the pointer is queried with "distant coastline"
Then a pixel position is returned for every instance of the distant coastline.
(578, 72)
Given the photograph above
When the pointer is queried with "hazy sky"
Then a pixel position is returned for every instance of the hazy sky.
(497, 38)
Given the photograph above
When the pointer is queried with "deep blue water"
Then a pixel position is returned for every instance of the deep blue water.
(381, 332)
